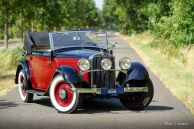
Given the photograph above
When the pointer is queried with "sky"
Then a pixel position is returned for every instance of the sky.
(99, 4)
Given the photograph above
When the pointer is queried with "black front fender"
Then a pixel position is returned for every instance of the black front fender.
(71, 76)
(137, 71)
(23, 65)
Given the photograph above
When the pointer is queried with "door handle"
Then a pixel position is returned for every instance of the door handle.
(50, 62)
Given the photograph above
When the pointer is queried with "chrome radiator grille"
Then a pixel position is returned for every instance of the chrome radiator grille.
(102, 78)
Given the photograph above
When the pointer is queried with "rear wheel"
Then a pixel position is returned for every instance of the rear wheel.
(138, 100)
(62, 97)
(22, 84)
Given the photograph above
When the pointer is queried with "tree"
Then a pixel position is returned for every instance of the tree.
(47, 15)
(111, 19)
(178, 28)
(5, 13)
(133, 16)
(84, 14)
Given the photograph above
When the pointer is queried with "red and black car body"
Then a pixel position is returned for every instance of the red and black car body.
(79, 68)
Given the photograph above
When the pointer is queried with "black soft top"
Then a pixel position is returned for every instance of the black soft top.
(36, 41)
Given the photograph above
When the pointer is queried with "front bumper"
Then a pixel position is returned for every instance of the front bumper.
(105, 91)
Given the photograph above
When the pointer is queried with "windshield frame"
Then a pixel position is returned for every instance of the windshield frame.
(98, 32)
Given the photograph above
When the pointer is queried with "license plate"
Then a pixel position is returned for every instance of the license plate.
(118, 90)
(112, 91)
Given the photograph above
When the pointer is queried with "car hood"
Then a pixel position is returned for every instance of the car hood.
(84, 53)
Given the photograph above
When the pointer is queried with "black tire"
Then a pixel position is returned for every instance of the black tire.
(22, 84)
(138, 101)
(58, 103)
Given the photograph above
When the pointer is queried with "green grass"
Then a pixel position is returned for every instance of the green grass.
(9, 59)
(175, 72)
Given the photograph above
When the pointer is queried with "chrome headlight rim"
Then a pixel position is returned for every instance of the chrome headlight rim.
(83, 64)
(104, 63)
(125, 63)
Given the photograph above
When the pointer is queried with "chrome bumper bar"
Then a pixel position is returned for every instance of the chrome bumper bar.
(87, 90)
(136, 89)
(99, 90)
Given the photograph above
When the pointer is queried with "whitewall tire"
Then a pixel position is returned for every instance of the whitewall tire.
(62, 97)
(22, 84)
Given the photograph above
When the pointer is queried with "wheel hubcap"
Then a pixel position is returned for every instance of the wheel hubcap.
(62, 94)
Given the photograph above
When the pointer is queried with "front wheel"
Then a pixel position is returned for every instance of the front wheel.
(62, 97)
(138, 100)
(22, 84)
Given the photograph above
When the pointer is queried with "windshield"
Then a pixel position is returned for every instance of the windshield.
(78, 39)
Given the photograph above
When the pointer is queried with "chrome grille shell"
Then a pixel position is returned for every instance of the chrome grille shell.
(101, 78)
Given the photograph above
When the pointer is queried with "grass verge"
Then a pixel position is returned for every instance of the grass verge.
(176, 72)
(9, 59)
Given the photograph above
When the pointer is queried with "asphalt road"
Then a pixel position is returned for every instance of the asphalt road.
(165, 111)
(14, 42)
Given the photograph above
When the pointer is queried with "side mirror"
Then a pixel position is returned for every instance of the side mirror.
(113, 45)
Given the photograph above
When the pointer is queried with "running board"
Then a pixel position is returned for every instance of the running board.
(35, 92)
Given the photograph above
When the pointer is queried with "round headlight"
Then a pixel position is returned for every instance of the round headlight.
(125, 63)
(84, 64)
(106, 64)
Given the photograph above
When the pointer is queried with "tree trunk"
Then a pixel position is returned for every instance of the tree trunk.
(32, 28)
(22, 29)
(42, 24)
(5, 17)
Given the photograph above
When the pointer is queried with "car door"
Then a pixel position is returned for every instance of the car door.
(42, 70)
(33, 68)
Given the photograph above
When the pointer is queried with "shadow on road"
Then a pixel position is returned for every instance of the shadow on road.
(7, 104)
(102, 106)
(158, 108)
(43, 102)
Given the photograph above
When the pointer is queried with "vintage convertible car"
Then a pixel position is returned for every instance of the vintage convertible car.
(73, 66)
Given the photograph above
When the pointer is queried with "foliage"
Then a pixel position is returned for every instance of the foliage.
(172, 20)
(179, 27)
(111, 20)
(9, 58)
(130, 16)
(49, 15)
(8, 62)
(1, 25)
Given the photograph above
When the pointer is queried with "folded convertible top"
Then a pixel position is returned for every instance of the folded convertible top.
(36, 40)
